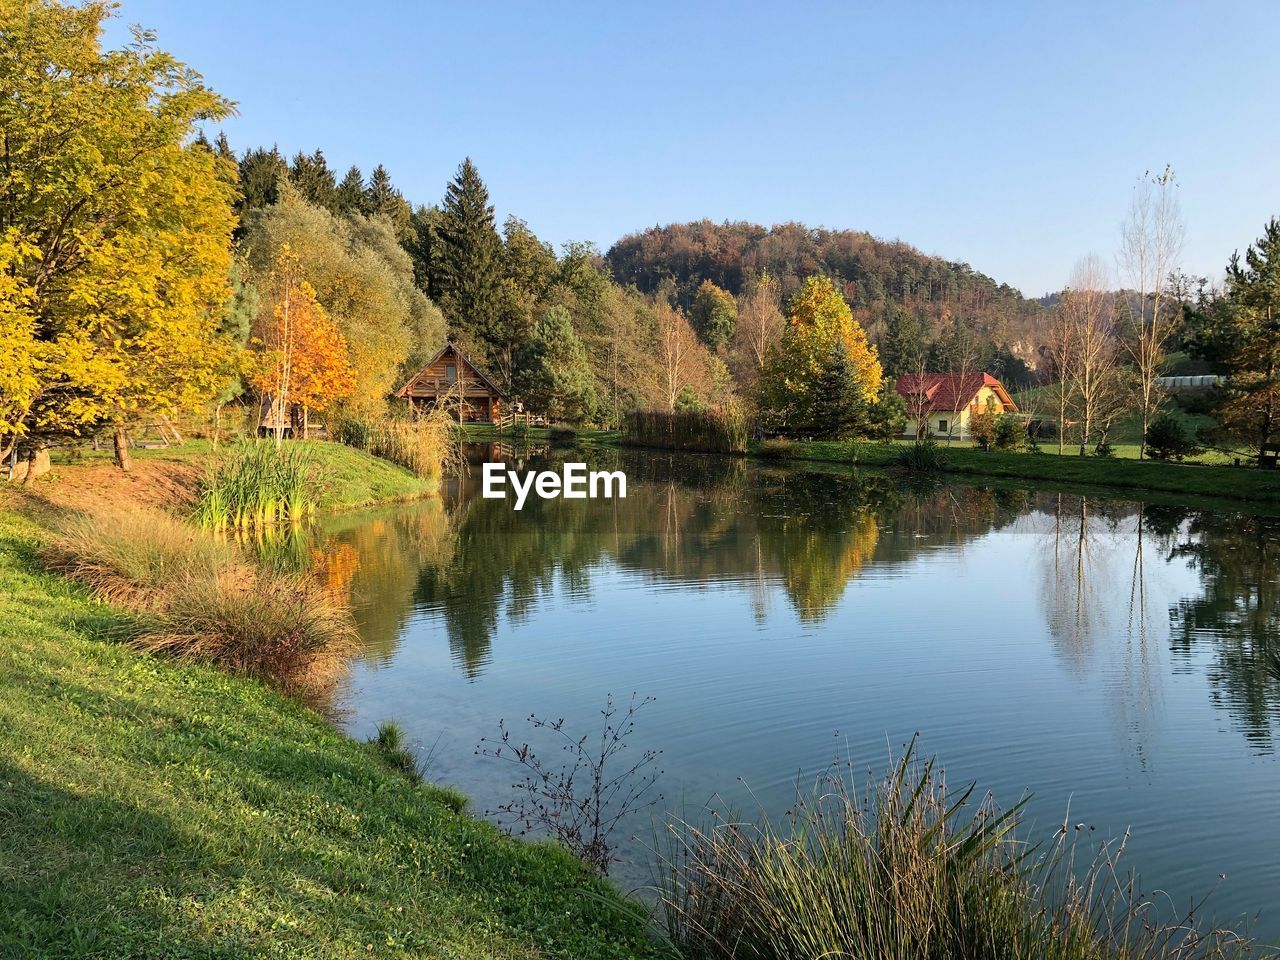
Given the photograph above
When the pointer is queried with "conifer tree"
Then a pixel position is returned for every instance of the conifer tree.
(260, 174)
(839, 405)
(349, 196)
(466, 278)
(555, 376)
(381, 198)
(313, 179)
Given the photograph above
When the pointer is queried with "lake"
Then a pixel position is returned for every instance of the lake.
(1116, 659)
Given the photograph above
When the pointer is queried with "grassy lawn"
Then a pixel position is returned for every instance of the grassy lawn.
(1186, 480)
(149, 809)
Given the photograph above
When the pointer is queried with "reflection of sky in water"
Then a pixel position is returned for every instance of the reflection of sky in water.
(778, 620)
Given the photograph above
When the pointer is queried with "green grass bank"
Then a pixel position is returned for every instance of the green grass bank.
(149, 808)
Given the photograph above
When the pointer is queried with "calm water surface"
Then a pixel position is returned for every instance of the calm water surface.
(1118, 660)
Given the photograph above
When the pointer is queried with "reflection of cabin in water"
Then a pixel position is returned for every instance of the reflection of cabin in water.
(453, 379)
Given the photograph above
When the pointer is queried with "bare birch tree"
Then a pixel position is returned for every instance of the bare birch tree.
(1151, 242)
(1088, 308)
(760, 323)
(677, 351)
(1059, 352)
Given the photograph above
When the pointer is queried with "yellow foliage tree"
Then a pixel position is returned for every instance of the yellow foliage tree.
(115, 231)
(819, 326)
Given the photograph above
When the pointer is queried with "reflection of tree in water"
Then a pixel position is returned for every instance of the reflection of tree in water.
(1238, 558)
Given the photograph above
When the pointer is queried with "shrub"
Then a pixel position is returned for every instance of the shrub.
(562, 436)
(777, 448)
(923, 456)
(982, 428)
(1168, 438)
(907, 869)
(703, 431)
(1010, 433)
(133, 557)
(581, 802)
(277, 627)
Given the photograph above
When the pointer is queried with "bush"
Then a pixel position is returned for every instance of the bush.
(1010, 433)
(982, 428)
(778, 448)
(704, 431)
(562, 436)
(134, 557)
(908, 869)
(276, 627)
(1168, 439)
(923, 456)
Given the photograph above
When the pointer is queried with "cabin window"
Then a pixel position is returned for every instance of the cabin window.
(942, 426)
(451, 372)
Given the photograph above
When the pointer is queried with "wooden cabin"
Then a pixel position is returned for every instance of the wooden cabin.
(452, 378)
(940, 404)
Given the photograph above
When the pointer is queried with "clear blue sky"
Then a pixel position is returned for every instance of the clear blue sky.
(1008, 137)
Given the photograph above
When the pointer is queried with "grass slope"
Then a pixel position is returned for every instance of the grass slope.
(151, 809)
(348, 478)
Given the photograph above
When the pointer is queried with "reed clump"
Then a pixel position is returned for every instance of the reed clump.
(136, 557)
(258, 484)
(923, 456)
(274, 626)
(200, 598)
(424, 446)
(701, 431)
(909, 869)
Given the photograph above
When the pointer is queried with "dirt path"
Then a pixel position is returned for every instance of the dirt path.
(156, 482)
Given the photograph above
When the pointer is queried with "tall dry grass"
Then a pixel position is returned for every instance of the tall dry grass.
(910, 871)
(277, 627)
(136, 557)
(204, 600)
(425, 446)
(703, 431)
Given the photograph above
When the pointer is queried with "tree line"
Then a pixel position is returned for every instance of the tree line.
(146, 269)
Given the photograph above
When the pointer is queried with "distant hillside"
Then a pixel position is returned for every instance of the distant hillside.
(876, 274)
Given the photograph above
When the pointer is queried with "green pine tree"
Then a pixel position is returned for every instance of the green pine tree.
(311, 176)
(261, 172)
(1240, 334)
(348, 197)
(838, 410)
(466, 261)
(904, 344)
(553, 372)
(382, 199)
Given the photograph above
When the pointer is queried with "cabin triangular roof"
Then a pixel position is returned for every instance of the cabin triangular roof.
(450, 345)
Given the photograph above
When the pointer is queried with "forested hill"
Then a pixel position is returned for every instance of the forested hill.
(876, 275)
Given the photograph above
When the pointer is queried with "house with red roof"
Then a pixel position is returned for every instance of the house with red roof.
(941, 404)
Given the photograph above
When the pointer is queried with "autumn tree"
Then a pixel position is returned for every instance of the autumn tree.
(303, 361)
(115, 229)
(1239, 333)
(1151, 241)
(760, 325)
(363, 278)
(819, 319)
(714, 315)
(677, 352)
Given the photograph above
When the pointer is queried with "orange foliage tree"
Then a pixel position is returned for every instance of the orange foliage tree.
(304, 363)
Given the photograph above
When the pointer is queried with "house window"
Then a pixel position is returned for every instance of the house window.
(451, 372)
(942, 426)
